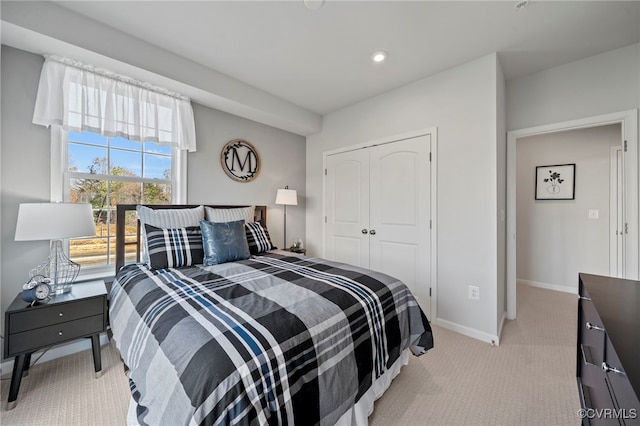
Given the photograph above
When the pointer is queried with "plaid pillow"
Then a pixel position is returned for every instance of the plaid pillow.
(172, 248)
(166, 218)
(258, 238)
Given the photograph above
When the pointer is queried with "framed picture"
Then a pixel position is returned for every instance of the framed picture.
(556, 182)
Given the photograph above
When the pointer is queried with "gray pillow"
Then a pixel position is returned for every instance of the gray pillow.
(224, 242)
(229, 215)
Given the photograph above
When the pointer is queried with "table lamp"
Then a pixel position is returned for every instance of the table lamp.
(55, 221)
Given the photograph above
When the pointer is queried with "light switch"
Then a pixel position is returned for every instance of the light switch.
(593, 214)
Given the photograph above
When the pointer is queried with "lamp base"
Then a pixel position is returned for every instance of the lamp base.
(59, 268)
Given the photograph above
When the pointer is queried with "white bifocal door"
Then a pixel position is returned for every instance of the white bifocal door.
(377, 206)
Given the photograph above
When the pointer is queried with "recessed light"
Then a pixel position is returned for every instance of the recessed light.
(379, 56)
(313, 4)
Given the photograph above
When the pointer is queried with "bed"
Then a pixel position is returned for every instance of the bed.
(275, 338)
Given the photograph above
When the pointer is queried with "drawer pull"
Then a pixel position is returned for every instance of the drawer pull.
(594, 327)
(59, 333)
(60, 314)
(607, 368)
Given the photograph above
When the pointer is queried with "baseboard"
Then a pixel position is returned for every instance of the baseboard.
(555, 287)
(56, 352)
(468, 331)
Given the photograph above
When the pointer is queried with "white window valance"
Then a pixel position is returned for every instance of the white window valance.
(81, 98)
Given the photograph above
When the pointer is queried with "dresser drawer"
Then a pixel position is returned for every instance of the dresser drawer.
(598, 400)
(592, 333)
(591, 373)
(621, 389)
(609, 338)
(35, 318)
(32, 340)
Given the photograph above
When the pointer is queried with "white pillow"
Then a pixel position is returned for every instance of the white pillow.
(230, 215)
(166, 218)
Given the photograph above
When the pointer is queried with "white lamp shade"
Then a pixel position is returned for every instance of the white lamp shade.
(288, 197)
(54, 221)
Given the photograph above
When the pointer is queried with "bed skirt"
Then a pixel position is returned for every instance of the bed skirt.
(357, 416)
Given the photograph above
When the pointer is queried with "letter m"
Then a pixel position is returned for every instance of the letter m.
(235, 156)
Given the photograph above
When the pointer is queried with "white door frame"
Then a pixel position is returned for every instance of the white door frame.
(616, 261)
(433, 132)
(629, 121)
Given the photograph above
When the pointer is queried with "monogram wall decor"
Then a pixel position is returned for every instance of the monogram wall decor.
(240, 160)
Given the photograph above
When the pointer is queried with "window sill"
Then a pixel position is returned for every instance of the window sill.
(99, 274)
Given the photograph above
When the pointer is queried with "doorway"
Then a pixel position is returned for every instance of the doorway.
(629, 135)
(557, 238)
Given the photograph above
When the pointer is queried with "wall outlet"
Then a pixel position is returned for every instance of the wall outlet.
(593, 214)
(474, 292)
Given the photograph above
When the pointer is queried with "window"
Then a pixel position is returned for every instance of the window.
(106, 171)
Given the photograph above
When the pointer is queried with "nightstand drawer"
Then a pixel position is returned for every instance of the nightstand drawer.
(29, 341)
(30, 319)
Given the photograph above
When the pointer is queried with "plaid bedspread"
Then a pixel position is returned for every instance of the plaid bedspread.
(274, 339)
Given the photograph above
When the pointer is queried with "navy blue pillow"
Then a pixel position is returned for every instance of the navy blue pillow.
(224, 242)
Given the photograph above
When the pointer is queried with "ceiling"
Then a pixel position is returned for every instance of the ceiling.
(320, 59)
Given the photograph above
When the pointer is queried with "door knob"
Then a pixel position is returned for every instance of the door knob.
(372, 232)
(364, 231)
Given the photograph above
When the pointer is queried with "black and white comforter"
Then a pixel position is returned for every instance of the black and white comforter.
(274, 339)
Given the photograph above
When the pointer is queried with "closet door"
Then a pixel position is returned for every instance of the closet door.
(347, 207)
(399, 234)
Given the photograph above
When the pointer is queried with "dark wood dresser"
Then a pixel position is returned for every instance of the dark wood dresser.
(608, 355)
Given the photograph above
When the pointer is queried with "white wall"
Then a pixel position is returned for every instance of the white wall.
(461, 103)
(601, 84)
(25, 167)
(555, 238)
(501, 190)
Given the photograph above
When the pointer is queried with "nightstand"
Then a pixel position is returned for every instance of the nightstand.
(298, 251)
(82, 312)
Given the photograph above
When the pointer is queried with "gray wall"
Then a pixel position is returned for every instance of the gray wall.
(555, 238)
(25, 167)
(283, 163)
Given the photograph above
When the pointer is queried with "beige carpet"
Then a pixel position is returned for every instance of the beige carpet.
(528, 380)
